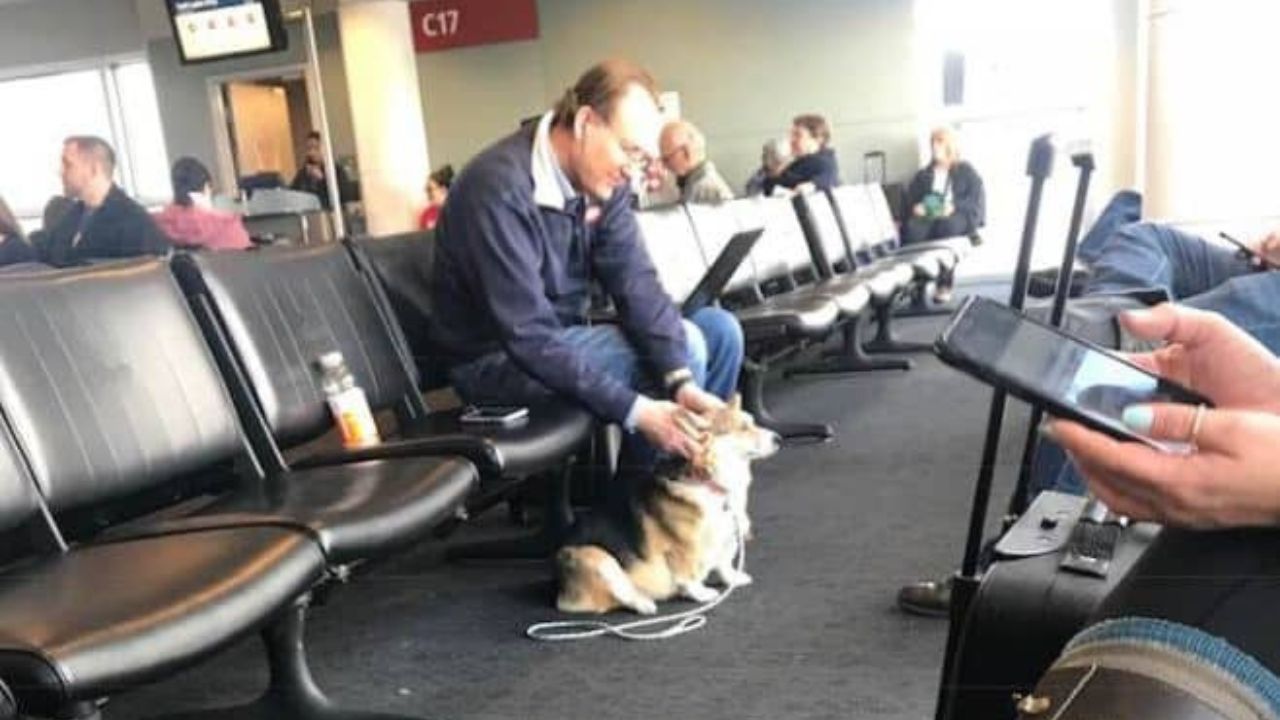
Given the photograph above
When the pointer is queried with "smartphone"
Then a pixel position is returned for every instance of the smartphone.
(1065, 375)
(1245, 250)
(494, 415)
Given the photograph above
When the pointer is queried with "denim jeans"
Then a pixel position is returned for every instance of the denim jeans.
(715, 352)
(1193, 272)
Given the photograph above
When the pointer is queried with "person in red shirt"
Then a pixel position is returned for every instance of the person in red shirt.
(191, 220)
(437, 190)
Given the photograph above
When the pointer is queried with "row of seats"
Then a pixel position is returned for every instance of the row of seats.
(168, 478)
(824, 260)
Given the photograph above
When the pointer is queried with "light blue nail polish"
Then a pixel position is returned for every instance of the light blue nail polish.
(1138, 418)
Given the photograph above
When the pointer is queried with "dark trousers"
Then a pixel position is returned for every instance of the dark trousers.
(920, 229)
(1226, 583)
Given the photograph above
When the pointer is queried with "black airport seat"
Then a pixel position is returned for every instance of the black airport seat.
(785, 315)
(115, 407)
(116, 389)
(684, 241)
(272, 313)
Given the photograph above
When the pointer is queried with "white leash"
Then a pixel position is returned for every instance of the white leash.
(684, 622)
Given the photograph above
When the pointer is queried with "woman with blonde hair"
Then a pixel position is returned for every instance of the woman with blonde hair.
(946, 197)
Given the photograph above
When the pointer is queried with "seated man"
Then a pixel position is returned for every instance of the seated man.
(684, 152)
(531, 223)
(103, 222)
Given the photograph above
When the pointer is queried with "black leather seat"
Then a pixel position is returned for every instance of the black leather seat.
(99, 619)
(277, 310)
(118, 407)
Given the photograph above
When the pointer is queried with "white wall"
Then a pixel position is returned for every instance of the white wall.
(53, 32)
(743, 68)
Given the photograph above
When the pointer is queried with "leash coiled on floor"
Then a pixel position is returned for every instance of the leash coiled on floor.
(684, 622)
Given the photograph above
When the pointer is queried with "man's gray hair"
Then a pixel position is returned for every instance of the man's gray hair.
(777, 152)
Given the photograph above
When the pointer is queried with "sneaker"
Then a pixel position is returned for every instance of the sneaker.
(928, 598)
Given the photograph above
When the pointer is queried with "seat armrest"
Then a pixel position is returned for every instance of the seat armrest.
(479, 450)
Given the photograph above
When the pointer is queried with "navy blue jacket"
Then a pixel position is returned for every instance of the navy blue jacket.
(511, 275)
(819, 168)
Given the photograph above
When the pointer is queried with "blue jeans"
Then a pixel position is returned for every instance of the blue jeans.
(715, 352)
(1193, 272)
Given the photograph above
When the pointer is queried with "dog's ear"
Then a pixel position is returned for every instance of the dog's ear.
(735, 402)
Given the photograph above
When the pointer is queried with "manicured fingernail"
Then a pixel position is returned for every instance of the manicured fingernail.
(1138, 418)
(1046, 430)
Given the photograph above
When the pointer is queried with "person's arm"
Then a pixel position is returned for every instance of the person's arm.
(968, 196)
(627, 274)
(502, 265)
(918, 188)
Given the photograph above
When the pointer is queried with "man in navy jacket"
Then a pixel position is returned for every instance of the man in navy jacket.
(531, 222)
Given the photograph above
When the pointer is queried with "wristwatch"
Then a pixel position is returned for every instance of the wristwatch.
(676, 379)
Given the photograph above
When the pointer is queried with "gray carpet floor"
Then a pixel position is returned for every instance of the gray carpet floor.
(839, 527)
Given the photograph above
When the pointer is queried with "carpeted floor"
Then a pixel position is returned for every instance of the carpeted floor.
(839, 527)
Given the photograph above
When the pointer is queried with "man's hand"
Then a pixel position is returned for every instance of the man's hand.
(1269, 249)
(918, 209)
(691, 397)
(948, 209)
(1230, 480)
(1208, 354)
(671, 428)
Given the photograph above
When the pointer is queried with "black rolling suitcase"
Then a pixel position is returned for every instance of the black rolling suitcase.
(1053, 567)
(1029, 604)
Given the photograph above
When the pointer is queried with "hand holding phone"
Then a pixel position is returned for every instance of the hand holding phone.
(1067, 376)
(1249, 252)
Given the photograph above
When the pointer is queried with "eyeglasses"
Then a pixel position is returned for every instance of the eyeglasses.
(635, 158)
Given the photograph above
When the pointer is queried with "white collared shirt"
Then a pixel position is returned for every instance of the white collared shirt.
(551, 187)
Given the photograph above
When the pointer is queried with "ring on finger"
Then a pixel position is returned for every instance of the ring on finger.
(1196, 423)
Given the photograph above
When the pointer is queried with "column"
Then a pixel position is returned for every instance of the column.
(386, 111)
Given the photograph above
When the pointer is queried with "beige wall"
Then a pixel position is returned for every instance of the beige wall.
(743, 68)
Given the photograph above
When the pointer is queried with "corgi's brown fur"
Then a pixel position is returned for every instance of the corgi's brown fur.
(687, 524)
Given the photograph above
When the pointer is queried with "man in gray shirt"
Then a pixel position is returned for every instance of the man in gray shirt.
(684, 152)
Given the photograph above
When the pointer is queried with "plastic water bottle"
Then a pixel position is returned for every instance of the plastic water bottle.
(347, 402)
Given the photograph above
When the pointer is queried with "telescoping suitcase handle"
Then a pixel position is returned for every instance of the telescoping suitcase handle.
(874, 167)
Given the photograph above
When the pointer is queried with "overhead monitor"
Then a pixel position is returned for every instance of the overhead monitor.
(208, 30)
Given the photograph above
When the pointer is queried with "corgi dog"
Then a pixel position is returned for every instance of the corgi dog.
(675, 533)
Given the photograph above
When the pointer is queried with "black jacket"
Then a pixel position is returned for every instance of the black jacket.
(819, 168)
(967, 193)
(119, 228)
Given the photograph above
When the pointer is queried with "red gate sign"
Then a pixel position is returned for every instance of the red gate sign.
(445, 24)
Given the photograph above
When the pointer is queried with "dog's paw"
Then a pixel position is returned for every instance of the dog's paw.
(645, 606)
(735, 578)
(699, 592)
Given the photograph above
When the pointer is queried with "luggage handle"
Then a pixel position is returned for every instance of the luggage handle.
(878, 157)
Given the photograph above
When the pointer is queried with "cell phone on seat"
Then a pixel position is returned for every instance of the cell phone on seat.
(500, 415)
(1062, 374)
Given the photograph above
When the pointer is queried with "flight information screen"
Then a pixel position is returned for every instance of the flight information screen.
(217, 29)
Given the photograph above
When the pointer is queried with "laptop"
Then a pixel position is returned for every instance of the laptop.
(721, 271)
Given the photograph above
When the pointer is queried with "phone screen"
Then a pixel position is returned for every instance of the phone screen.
(1040, 361)
(495, 414)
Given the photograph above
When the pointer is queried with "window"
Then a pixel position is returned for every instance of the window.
(115, 101)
